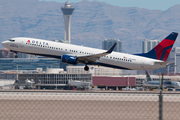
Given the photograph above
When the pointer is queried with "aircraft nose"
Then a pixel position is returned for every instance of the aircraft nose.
(4, 43)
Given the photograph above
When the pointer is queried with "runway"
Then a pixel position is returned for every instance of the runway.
(86, 105)
(107, 96)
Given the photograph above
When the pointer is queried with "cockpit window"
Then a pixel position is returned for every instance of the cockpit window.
(11, 40)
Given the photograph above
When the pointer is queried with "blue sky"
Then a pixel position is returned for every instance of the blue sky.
(148, 4)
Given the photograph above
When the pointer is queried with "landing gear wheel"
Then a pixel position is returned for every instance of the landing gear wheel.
(16, 56)
(86, 68)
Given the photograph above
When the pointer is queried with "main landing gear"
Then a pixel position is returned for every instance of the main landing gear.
(86, 68)
(16, 56)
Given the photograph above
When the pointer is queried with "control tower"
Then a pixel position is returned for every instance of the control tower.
(67, 13)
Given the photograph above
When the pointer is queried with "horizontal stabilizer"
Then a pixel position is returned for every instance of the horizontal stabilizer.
(163, 63)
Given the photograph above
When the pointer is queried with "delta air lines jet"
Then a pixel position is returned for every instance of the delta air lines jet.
(73, 54)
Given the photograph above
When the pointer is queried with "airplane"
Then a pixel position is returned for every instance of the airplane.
(74, 54)
(167, 84)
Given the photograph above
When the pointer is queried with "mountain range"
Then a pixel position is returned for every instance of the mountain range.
(91, 23)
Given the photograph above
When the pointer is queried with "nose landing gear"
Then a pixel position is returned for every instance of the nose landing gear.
(86, 68)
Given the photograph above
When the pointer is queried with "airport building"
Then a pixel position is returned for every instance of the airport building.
(28, 63)
(107, 43)
(94, 70)
(113, 83)
(148, 45)
(174, 57)
(58, 79)
(22, 55)
(54, 80)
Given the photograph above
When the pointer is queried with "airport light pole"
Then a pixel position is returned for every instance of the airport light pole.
(168, 70)
(17, 71)
(161, 100)
(175, 64)
(56, 81)
(128, 81)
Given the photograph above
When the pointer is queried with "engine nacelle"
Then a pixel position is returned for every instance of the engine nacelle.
(69, 59)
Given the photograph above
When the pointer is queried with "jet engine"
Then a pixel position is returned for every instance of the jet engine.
(69, 59)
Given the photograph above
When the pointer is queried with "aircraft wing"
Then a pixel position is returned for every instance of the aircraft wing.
(95, 57)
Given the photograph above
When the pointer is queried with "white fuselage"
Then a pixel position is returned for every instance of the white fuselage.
(57, 49)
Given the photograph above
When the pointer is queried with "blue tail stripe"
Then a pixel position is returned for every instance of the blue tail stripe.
(150, 54)
(164, 51)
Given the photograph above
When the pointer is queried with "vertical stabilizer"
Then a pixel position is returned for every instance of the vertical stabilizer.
(162, 50)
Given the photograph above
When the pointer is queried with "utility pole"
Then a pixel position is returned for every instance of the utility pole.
(17, 71)
(161, 100)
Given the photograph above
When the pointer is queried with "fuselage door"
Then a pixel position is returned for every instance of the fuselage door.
(22, 46)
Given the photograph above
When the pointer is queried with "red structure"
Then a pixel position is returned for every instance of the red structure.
(114, 81)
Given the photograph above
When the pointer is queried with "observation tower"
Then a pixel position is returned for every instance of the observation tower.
(67, 13)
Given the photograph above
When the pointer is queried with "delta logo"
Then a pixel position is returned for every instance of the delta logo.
(37, 42)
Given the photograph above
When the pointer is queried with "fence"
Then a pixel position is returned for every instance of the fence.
(87, 105)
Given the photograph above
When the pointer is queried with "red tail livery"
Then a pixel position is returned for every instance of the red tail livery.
(162, 50)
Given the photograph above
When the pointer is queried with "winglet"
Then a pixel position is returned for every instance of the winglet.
(112, 48)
